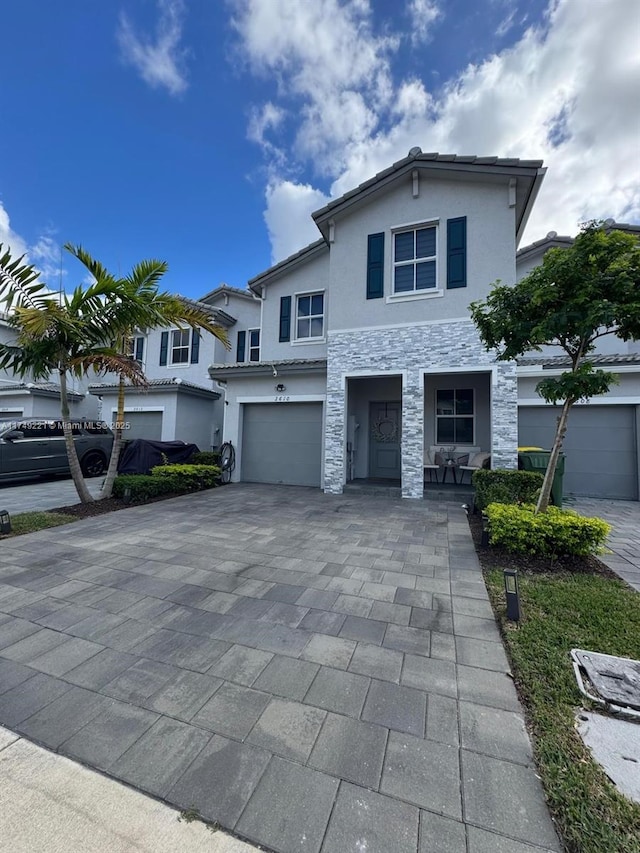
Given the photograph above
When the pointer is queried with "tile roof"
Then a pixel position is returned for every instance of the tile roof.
(169, 382)
(416, 156)
(43, 387)
(551, 361)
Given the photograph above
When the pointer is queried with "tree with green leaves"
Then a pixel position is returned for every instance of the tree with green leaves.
(153, 309)
(66, 335)
(576, 296)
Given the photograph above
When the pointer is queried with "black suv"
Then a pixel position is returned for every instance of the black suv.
(36, 446)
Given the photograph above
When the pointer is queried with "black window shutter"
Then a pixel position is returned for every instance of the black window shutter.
(285, 318)
(164, 346)
(195, 346)
(139, 349)
(457, 252)
(242, 337)
(375, 266)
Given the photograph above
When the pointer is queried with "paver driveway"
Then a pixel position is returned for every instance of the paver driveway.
(314, 672)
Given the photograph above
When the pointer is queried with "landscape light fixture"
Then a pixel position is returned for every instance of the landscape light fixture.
(5, 521)
(512, 594)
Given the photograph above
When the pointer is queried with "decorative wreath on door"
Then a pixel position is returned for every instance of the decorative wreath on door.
(384, 429)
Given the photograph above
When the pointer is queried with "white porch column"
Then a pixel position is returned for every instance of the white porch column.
(504, 416)
(413, 435)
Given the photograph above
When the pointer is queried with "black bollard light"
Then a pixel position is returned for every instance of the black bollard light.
(5, 521)
(512, 594)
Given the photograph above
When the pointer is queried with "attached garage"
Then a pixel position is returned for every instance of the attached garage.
(282, 443)
(601, 447)
(143, 425)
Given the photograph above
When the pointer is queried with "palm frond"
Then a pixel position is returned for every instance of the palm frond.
(19, 281)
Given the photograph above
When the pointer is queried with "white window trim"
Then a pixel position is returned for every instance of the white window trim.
(132, 354)
(249, 347)
(414, 294)
(295, 340)
(437, 416)
(170, 362)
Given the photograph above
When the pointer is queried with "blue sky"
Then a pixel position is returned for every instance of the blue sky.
(204, 133)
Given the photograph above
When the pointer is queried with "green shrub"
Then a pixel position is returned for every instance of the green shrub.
(552, 533)
(205, 457)
(166, 480)
(189, 477)
(506, 486)
(142, 487)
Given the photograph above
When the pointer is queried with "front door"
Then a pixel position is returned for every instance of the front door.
(384, 440)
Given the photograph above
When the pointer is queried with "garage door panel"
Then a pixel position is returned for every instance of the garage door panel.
(282, 443)
(143, 425)
(600, 448)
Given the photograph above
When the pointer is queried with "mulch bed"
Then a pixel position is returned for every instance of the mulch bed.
(492, 557)
(100, 507)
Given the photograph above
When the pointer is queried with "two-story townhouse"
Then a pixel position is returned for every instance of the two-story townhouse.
(180, 400)
(602, 444)
(369, 357)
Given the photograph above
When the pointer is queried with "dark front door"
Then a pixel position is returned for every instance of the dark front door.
(384, 440)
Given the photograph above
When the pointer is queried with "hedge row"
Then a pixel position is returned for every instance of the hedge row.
(554, 533)
(165, 480)
(505, 486)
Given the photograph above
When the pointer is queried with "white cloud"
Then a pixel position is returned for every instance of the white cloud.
(9, 239)
(422, 14)
(288, 216)
(566, 93)
(159, 61)
(44, 254)
(327, 61)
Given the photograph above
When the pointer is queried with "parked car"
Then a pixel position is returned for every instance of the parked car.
(35, 446)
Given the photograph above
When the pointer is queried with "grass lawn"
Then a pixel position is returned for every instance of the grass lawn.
(561, 610)
(28, 522)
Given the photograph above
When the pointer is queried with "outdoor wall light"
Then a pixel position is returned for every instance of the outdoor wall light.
(512, 594)
(5, 521)
(280, 388)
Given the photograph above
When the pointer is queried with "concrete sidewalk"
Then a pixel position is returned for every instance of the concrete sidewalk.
(51, 804)
(319, 674)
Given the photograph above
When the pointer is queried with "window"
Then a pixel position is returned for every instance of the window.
(454, 417)
(180, 346)
(310, 316)
(414, 260)
(135, 348)
(254, 344)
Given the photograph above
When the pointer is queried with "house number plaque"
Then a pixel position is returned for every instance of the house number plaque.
(282, 398)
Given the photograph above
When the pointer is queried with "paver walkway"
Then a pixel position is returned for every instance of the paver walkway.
(316, 673)
(624, 541)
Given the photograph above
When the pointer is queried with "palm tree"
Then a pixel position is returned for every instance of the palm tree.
(64, 335)
(151, 309)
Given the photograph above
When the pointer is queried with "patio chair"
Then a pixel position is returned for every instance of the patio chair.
(476, 462)
(430, 465)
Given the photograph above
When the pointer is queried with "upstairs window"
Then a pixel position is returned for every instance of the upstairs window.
(455, 416)
(180, 346)
(414, 260)
(135, 348)
(254, 344)
(310, 316)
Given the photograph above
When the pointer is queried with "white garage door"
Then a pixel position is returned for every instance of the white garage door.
(600, 448)
(143, 425)
(282, 443)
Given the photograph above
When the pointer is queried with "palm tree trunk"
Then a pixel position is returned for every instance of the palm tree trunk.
(107, 487)
(74, 464)
(545, 491)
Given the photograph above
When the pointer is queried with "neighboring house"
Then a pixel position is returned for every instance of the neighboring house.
(602, 443)
(181, 401)
(368, 354)
(29, 398)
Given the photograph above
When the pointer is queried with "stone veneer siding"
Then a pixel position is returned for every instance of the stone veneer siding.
(409, 351)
